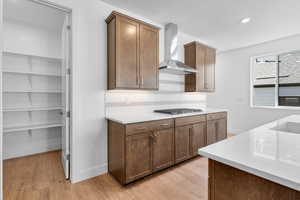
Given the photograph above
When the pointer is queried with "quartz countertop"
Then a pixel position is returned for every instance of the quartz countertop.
(135, 117)
(271, 151)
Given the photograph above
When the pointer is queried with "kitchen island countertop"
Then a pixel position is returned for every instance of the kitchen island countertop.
(271, 151)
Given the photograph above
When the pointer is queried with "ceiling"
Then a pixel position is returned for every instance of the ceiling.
(27, 11)
(217, 22)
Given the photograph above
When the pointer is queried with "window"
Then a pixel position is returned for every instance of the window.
(276, 80)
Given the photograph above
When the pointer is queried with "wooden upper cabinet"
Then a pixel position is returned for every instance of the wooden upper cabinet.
(127, 53)
(163, 149)
(133, 53)
(149, 57)
(203, 58)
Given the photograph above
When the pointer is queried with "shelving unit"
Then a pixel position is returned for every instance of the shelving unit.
(31, 97)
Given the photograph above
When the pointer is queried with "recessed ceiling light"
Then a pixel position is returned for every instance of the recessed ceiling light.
(246, 20)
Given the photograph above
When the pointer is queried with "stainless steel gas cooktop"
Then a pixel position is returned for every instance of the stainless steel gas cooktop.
(177, 111)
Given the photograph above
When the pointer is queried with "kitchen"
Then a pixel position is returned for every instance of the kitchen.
(100, 92)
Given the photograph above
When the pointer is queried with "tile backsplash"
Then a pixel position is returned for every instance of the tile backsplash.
(170, 94)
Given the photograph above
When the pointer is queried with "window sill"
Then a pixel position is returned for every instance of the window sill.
(277, 107)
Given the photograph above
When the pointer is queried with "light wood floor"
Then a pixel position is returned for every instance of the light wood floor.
(40, 177)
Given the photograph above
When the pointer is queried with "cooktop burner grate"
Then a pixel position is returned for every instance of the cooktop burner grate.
(177, 111)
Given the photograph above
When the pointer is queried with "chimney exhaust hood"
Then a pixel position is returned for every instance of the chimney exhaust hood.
(171, 65)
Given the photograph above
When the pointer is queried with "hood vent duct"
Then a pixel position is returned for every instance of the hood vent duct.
(170, 64)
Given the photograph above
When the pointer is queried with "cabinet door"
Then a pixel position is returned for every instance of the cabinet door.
(197, 138)
(127, 53)
(138, 156)
(209, 70)
(211, 131)
(221, 129)
(149, 54)
(182, 143)
(163, 149)
(200, 63)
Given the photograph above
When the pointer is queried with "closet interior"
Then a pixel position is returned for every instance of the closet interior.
(35, 66)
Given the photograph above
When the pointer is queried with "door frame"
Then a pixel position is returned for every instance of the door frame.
(68, 12)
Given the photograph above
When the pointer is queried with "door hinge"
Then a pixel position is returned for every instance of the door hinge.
(69, 114)
(69, 71)
(68, 156)
(69, 27)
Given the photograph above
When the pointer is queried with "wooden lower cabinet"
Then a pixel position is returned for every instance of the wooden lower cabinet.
(188, 139)
(229, 183)
(182, 143)
(163, 149)
(197, 138)
(138, 156)
(216, 130)
(137, 150)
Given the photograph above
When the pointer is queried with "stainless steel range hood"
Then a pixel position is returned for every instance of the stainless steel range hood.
(170, 64)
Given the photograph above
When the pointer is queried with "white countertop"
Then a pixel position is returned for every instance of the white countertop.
(135, 117)
(271, 151)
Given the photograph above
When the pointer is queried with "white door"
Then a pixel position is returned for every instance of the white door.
(65, 72)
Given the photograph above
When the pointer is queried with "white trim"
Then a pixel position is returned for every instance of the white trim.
(90, 173)
(1, 114)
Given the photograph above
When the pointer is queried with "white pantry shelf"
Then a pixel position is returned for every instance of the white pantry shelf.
(31, 73)
(34, 56)
(31, 127)
(32, 91)
(31, 108)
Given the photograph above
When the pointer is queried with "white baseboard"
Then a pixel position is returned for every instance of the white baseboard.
(90, 173)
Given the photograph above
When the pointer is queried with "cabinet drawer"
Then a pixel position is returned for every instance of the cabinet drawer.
(219, 115)
(190, 120)
(149, 126)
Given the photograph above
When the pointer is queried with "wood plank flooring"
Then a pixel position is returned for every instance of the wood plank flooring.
(40, 177)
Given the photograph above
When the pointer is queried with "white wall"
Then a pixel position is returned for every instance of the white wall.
(233, 85)
(29, 39)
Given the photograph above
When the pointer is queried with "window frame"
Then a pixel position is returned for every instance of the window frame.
(277, 106)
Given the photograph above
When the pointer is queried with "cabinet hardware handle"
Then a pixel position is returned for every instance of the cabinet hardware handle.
(155, 137)
(151, 139)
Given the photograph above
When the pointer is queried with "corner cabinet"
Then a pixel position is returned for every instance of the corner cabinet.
(133, 53)
(202, 58)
